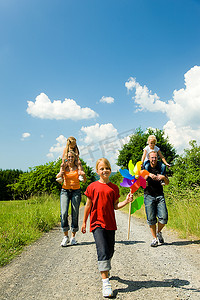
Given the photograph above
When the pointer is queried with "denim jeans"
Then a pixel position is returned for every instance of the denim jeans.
(161, 164)
(155, 207)
(65, 197)
(105, 242)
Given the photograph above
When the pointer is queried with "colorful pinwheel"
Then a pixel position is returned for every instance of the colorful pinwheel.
(134, 177)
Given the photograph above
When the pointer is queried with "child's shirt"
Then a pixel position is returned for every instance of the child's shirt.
(71, 181)
(148, 149)
(103, 197)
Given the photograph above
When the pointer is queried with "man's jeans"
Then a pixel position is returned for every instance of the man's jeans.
(65, 197)
(155, 207)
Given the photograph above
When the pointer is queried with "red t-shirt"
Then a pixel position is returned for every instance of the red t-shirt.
(103, 197)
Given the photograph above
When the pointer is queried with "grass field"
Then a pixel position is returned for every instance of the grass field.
(24, 221)
(183, 209)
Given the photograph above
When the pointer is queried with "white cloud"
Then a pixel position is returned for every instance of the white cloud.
(57, 149)
(144, 98)
(68, 109)
(107, 100)
(98, 132)
(25, 135)
(182, 110)
(100, 141)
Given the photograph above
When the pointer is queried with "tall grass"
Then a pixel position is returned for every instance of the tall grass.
(183, 209)
(22, 222)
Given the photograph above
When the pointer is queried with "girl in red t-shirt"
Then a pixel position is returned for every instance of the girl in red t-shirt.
(102, 200)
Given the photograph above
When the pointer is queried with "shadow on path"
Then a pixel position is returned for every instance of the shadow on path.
(129, 242)
(133, 286)
(183, 243)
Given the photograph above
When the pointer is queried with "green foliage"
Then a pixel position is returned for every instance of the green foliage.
(22, 222)
(134, 148)
(39, 180)
(187, 168)
(8, 177)
(42, 179)
(117, 178)
(184, 209)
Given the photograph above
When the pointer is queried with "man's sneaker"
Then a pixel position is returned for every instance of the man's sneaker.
(160, 237)
(107, 290)
(65, 241)
(154, 243)
(73, 241)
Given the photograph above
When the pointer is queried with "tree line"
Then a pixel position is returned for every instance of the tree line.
(185, 170)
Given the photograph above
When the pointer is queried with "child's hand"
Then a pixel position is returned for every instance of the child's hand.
(129, 197)
(168, 165)
(83, 228)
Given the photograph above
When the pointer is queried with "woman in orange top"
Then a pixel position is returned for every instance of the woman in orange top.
(70, 192)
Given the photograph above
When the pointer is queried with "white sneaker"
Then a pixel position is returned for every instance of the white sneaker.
(65, 241)
(73, 241)
(80, 177)
(59, 179)
(154, 242)
(107, 290)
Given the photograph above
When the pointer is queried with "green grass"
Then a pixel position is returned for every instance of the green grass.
(22, 222)
(183, 209)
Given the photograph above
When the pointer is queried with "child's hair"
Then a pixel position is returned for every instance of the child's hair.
(105, 161)
(151, 138)
(70, 140)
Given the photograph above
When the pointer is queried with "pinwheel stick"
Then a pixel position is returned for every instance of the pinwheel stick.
(129, 219)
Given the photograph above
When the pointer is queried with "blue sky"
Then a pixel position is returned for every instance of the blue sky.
(95, 70)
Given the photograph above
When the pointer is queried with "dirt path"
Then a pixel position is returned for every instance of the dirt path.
(47, 271)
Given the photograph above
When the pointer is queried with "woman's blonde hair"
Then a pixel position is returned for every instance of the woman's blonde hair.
(70, 140)
(151, 138)
(105, 161)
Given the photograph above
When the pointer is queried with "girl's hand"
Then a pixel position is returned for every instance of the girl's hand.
(83, 228)
(129, 197)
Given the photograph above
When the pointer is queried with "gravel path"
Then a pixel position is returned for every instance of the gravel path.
(47, 271)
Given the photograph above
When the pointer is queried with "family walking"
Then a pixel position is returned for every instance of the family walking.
(103, 199)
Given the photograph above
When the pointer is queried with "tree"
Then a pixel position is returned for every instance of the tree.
(134, 148)
(187, 167)
(8, 177)
(42, 179)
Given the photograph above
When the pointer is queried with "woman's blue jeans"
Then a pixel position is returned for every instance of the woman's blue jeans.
(65, 197)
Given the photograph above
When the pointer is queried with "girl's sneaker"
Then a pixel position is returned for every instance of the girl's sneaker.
(65, 241)
(107, 289)
(154, 242)
(81, 178)
(59, 179)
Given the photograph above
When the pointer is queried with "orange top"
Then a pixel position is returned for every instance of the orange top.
(71, 181)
